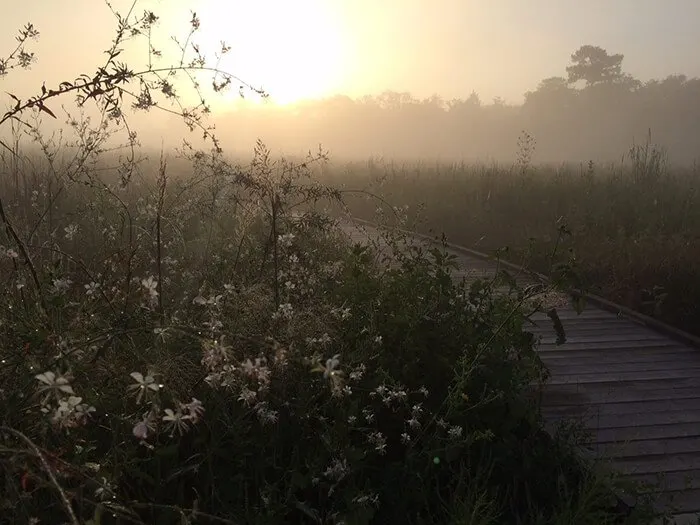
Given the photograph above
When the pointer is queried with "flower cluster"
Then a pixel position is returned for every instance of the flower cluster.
(67, 410)
(178, 419)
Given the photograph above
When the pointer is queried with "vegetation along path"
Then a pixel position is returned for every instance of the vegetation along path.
(635, 388)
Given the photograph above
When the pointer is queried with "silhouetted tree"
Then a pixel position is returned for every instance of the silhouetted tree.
(599, 121)
(594, 65)
(552, 92)
(499, 102)
(394, 100)
(473, 102)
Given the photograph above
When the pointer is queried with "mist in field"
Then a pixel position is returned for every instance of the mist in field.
(599, 123)
(447, 81)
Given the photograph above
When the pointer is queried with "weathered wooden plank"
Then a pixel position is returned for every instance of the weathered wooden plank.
(666, 481)
(468, 269)
(684, 518)
(646, 431)
(596, 338)
(687, 501)
(573, 396)
(608, 338)
(624, 355)
(626, 377)
(606, 346)
(613, 386)
(591, 367)
(656, 464)
(629, 407)
(583, 327)
(568, 313)
(650, 447)
(638, 419)
(624, 380)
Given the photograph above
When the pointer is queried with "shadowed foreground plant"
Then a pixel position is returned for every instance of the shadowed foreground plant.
(193, 341)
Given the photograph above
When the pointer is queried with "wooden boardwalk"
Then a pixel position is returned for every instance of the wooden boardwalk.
(636, 390)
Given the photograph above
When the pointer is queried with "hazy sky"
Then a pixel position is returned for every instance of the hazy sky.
(307, 48)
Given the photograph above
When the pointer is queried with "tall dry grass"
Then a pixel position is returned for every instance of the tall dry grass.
(635, 224)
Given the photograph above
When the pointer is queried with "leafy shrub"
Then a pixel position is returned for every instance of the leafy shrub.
(205, 347)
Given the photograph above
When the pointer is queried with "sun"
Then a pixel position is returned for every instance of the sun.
(294, 50)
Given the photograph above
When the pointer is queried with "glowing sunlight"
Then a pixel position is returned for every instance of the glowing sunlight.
(293, 50)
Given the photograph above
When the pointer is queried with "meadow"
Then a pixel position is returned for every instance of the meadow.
(187, 339)
(627, 231)
(201, 344)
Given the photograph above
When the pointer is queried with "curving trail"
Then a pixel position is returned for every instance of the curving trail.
(636, 388)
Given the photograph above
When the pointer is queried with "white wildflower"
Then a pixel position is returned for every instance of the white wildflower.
(143, 385)
(286, 240)
(265, 415)
(413, 423)
(61, 285)
(212, 300)
(358, 372)
(72, 412)
(247, 395)
(216, 353)
(284, 311)
(143, 428)
(150, 284)
(378, 440)
(455, 432)
(257, 370)
(176, 420)
(331, 367)
(94, 467)
(91, 288)
(366, 499)
(105, 491)
(53, 384)
(194, 410)
(71, 231)
(337, 470)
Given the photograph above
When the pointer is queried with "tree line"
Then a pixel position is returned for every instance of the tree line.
(595, 110)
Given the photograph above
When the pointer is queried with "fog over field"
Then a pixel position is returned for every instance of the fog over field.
(448, 80)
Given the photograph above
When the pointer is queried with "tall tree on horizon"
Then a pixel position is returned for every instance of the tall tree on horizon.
(594, 65)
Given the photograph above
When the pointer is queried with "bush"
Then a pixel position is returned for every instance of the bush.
(419, 407)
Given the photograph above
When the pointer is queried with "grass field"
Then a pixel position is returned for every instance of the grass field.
(191, 346)
(190, 341)
(634, 227)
